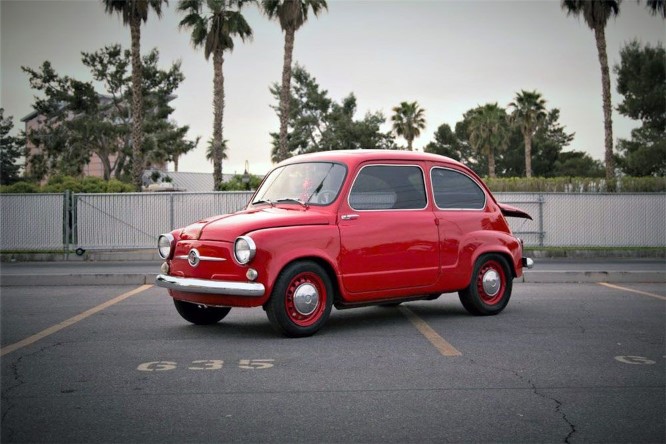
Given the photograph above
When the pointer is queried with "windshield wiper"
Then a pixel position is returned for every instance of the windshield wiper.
(264, 201)
(292, 199)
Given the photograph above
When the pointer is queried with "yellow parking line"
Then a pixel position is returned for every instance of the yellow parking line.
(49, 331)
(431, 335)
(644, 293)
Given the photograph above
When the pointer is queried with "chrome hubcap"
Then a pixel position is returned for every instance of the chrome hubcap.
(306, 299)
(491, 282)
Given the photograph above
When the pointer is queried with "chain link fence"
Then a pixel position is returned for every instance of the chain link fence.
(134, 220)
(31, 222)
(34, 221)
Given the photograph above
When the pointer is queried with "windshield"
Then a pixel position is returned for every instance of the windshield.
(314, 183)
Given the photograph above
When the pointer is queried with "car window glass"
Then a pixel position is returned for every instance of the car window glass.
(385, 187)
(315, 183)
(455, 190)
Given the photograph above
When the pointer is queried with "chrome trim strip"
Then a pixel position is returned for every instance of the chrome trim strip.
(192, 285)
(202, 258)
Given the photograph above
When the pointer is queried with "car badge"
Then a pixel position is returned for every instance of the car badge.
(193, 257)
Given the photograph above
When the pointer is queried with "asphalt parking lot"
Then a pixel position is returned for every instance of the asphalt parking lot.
(563, 363)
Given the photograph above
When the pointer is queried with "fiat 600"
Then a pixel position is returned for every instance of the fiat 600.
(347, 229)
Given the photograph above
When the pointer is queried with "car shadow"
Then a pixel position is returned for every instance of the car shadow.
(371, 319)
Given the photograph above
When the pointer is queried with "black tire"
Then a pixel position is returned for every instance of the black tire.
(301, 300)
(200, 314)
(490, 288)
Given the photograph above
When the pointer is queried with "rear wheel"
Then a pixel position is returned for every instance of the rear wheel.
(490, 288)
(301, 300)
(200, 314)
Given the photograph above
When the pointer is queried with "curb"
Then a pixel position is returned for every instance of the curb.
(576, 277)
(62, 280)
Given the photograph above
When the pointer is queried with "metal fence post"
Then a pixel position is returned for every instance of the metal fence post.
(542, 235)
(171, 211)
(75, 219)
(66, 223)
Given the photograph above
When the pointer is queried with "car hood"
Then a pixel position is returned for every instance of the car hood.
(229, 227)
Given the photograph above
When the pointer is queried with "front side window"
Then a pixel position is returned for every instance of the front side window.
(315, 183)
(388, 187)
(455, 190)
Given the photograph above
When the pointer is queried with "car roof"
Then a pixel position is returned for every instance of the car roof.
(357, 156)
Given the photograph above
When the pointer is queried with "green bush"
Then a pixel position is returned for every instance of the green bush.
(236, 183)
(575, 185)
(20, 187)
(60, 184)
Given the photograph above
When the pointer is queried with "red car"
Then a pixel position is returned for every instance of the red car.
(347, 229)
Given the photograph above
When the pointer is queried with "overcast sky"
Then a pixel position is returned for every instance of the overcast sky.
(448, 55)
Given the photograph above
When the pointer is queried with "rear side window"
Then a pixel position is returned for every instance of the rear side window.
(455, 190)
(388, 187)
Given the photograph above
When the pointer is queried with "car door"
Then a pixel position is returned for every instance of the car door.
(459, 208)
(388, 234)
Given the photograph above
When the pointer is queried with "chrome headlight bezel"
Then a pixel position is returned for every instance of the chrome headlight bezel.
(165, 244)
(244, 250)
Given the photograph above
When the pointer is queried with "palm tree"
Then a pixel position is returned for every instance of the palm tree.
(488, 132)
(210, 150)
(596, 14)
(133, 13)
(291, 14)
(529, 112)
(214, 31)
(657, 7)
(408, 121)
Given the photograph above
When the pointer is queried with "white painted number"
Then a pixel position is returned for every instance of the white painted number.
(255, 364)
(213, 364)
(636, 360)
(156, 366)
(205, 364)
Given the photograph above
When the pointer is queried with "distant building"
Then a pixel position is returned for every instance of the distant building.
(34, 121)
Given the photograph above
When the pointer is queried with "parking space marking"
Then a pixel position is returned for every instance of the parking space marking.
(631, 290)
(71, 321)
(431, 335)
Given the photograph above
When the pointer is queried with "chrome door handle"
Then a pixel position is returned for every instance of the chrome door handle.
(349, 216)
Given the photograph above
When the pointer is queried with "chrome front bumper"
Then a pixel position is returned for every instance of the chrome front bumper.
(528, 262)
(191, 285)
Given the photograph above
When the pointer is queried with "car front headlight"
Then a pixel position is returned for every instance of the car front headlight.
(244, 249)
(164, 245)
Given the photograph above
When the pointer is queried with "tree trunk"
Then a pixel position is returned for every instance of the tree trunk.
(137, 105)
(409, 144)
(600, 37)
(218, 113)
(528, 154)
(491, 163)
(285, 93)
(106, 164)
(175, 163)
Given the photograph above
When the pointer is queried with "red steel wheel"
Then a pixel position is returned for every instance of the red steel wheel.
(490, 287)
(305, 299)
(491, 282)
(301, 300)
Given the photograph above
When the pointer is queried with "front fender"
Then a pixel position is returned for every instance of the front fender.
(277, 247)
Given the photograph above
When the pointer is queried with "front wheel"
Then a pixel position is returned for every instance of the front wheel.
(301, 300)
(200, 314)
(490, 288)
